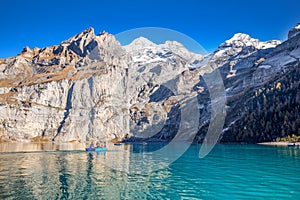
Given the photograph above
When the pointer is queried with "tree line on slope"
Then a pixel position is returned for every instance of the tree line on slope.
(270, 113)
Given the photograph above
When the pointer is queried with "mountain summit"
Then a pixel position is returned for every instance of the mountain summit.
(89, 86)
(294, 31)
(138, 44)
(143, 50)
(240, 40)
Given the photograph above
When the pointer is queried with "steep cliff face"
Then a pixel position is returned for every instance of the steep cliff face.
(294, 31)
(73, 91)
(247, 67)
(90, 86)
(158, 82)
(251, 69)
(268, 107)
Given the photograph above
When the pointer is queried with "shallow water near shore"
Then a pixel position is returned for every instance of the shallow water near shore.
(66, 171)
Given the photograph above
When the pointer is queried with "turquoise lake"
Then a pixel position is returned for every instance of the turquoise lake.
(48, 171)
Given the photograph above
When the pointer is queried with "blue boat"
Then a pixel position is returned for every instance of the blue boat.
(96, 149)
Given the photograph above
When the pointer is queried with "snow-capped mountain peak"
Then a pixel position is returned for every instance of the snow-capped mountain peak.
(143, 50)
(244, 43)
(241, 40)
(269, 44)
(138, 44)
(294, 31)
(87, 66)
(169, 43)
(242, 37)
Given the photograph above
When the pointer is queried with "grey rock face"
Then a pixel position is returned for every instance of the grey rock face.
(294, 31)
(74, 91)
(254, 72)
(91, 87)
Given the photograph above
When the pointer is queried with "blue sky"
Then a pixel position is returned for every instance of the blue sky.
(43, 23)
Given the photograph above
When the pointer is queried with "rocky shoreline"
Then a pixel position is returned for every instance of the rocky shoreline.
(280, 143)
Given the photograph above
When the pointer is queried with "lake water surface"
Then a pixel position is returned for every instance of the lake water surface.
(66, 171)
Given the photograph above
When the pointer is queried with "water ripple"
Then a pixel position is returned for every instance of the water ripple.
(230, 171)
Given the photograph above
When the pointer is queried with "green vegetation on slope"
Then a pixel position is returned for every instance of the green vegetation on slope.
(269, 113)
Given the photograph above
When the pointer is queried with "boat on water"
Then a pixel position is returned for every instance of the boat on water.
(100, 146)
(96, 149)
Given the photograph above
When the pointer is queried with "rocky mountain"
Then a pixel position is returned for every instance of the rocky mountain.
(144, 51)
(269, 106)
(294, 31)
(67, 92)
(89, 86)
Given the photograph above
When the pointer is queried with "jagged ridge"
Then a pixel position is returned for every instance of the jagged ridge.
(114, 86)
